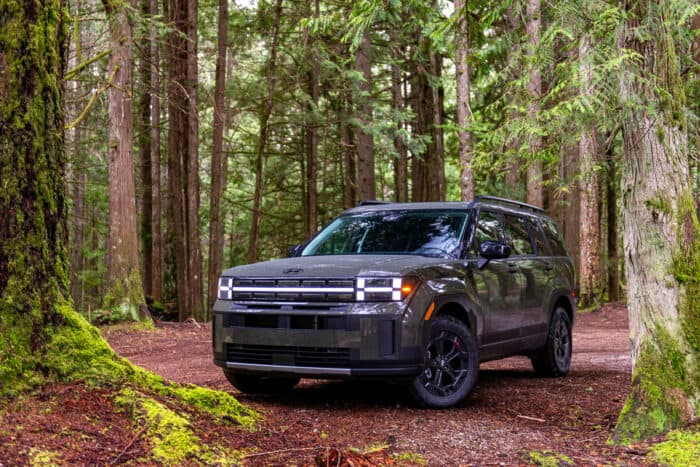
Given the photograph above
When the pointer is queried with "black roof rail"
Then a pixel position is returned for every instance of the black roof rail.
(372, 202)
(496, 199)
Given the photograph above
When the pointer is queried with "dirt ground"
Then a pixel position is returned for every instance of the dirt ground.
(510, 416)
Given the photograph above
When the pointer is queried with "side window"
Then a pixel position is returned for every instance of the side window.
(519, 235)
(488, 228)
(538, 237)
(556, 244)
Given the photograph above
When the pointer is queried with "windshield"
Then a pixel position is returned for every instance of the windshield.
(428, 233)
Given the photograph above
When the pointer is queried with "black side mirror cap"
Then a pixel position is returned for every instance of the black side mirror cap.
(492, 249)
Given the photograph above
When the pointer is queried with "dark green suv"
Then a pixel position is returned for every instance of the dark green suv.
(418, 291)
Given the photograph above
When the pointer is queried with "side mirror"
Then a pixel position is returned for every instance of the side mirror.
(492, 249)
(295, 250)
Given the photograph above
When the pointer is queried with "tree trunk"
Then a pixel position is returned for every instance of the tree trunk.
(311, 132)
(590, 278)
(466, 179)
(194, 247)
(125, 289)
(401, 158)
(366, 183)
(178, 134)
(436, 166)
(349, 157)
(33, 264)
(143, 127)
(156, 230)
(660, 233)
(266, 111)
(613, 255)
(218, 174)
(535, 193)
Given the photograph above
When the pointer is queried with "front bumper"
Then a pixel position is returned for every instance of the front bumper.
(359, 341)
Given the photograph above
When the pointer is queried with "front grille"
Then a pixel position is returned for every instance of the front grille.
(284, 321)
(290, 290)
(292, 356)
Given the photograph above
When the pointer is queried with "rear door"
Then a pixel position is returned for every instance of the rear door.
(498, 286)
(529, 251)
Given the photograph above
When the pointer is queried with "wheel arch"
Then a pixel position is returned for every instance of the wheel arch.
(461, 309)
(565, 301)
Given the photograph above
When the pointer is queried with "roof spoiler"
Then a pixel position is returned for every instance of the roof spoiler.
(372, 202)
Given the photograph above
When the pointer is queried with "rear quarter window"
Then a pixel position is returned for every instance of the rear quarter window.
(556, 244)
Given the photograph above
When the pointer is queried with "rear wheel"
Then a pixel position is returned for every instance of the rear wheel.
(451, 365)
(554, 359)
(258, 384)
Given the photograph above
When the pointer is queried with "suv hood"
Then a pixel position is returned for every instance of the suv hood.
(336, 266)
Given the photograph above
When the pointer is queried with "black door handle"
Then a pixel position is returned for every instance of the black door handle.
(512, 267)
(548, 266)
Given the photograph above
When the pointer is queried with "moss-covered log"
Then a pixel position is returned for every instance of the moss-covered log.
(660, 232)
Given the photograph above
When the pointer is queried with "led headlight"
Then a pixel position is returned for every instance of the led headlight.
(384, 289)
(225, 288)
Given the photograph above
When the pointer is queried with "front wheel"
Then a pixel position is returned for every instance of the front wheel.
(451, 365)
(258, 384)
(554, 359)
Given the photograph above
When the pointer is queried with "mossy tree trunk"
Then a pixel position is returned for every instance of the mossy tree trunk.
(125, 290)
(33, 256)
(660, 231)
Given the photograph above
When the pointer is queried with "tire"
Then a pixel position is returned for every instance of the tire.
(451, 365)
(554, 359)
(257, 384)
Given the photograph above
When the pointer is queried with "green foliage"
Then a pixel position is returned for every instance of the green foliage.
(548, 459)
(681, 448)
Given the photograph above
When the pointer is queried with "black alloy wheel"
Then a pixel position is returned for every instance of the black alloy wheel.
(451, 365)
(554, 359)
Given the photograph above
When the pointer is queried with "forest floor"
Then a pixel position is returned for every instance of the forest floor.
(511, 418)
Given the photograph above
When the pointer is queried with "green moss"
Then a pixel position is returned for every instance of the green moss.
(40, 458)
(124, 300)
(681, 448)
(660, 386)
(409, 458)
(659, 204)
(548, 459)
(170, 434)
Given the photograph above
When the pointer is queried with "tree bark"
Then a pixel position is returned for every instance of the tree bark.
(613, 286)
(194, 246)
(178, 154)
(311, 131)
(218, 173)
(156, 211)
(535, 193)
(660, 233)
(349, 157)
(436, 167)
(401, 158)
(123, 276)
(366, 183)
(143, 128)
(265, 112)
(34, 282)
(590, 278)
(466, 179)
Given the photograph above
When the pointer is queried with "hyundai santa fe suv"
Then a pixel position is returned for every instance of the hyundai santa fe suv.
(419, 292)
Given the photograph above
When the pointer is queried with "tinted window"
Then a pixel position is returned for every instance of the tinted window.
(519, 235)
(538, 237)
(429, 233)
(554, 239)
(488, 228)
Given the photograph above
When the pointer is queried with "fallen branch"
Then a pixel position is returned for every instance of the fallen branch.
(133, 440)
(534, 419)
(269, 453)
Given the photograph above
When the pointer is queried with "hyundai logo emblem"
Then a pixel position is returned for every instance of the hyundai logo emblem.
(293, 271)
